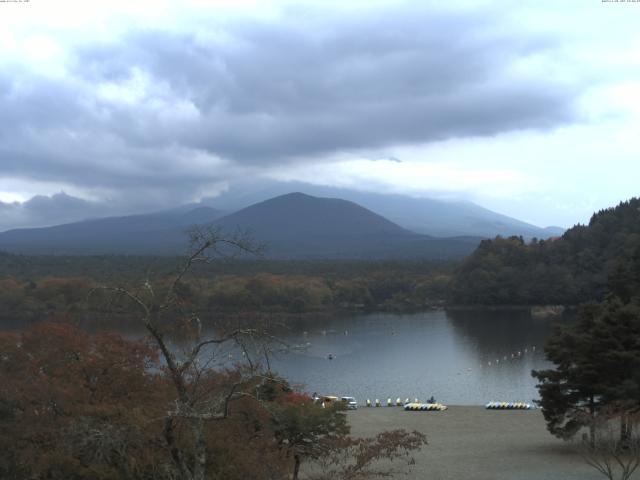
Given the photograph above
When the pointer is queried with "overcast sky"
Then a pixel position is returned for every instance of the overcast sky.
(115, 107)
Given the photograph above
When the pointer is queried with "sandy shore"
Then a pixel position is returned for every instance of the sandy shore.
(479, 444)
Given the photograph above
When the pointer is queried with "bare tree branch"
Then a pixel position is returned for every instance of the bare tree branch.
(194, 404)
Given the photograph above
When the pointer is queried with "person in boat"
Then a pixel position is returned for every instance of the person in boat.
(431, 399)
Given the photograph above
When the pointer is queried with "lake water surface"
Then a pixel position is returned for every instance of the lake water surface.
(459, 357)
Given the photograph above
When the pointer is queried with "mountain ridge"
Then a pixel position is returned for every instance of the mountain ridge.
(121, 234)
(428, 216)
(294, 225)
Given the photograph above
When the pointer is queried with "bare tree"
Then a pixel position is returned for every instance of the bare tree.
(614, 449)
(198, 399)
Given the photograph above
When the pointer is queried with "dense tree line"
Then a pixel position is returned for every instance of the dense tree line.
(572, 269)
(130, 267)
(33, 299)
(380, 290)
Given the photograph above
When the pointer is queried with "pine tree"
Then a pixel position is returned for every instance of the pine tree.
(597, 364)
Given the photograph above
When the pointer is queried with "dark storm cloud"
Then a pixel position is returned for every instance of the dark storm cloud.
(268, 92)
(135, 116)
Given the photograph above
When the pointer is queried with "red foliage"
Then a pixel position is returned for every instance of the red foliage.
(296, 398)
(78, 406)
(66, 395)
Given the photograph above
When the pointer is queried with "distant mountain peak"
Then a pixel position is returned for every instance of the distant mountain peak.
(323, 217)
(429, 216)
(294, 195)
(302, 197)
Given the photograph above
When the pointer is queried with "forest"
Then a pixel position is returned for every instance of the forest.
(568, 270)
(45, 287)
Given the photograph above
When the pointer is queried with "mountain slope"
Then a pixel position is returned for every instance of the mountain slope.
(428, 216)
(310, 216)
(158, 233)
(294, 226)
(297, 225)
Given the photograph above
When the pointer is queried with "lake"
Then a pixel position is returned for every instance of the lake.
(460, 357)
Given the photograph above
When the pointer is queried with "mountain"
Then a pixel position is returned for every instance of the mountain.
(291, 226)
(554, 231)
(439, 218)
(157, 233)
(310, 217)
(297, 225)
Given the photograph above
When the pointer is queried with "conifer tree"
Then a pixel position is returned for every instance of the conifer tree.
(597, 364)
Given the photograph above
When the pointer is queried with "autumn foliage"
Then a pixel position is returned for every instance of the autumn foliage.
(80, 406)
(76, 406)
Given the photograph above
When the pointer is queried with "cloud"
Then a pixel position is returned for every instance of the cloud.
(142, 110)
(47, 210)
(146, 110)
(430, 179)
(303, 86)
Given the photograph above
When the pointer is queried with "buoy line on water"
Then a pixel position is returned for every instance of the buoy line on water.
(509, 406)
(435, 406)
(513, 356)
(425, 407)
(431, 405)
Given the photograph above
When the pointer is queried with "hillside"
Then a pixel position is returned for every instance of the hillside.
(577, 267)
(427, 216)
(297, 225)
(158, 233)
(291, 226)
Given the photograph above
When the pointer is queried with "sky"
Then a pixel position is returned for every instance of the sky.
(531, 108)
